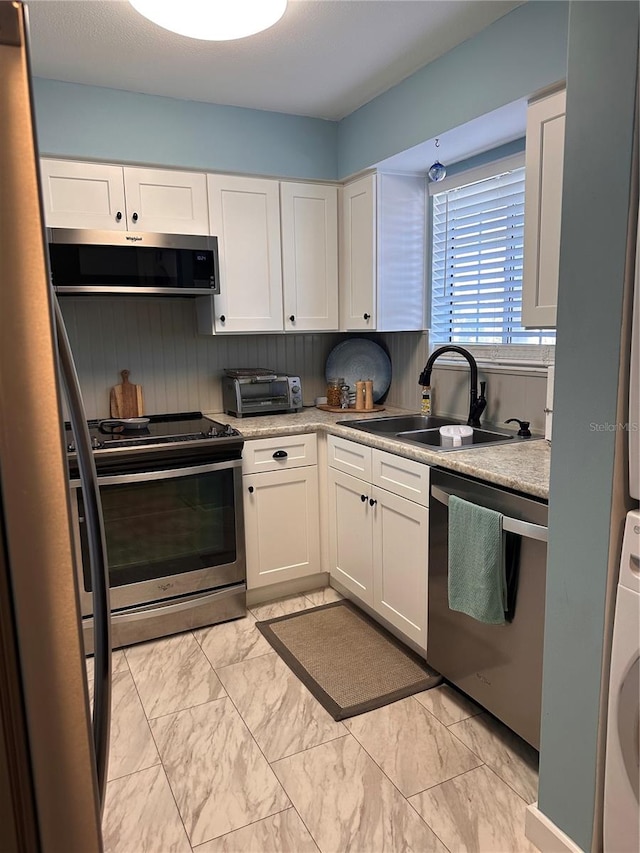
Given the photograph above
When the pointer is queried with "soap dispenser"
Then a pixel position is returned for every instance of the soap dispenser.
(425, 406)
(524, 430)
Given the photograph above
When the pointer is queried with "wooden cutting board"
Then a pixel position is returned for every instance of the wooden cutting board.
(125, 399)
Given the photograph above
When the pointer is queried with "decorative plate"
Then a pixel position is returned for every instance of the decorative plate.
(359, 358)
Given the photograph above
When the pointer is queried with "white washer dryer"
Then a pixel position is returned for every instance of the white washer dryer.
(622, 764)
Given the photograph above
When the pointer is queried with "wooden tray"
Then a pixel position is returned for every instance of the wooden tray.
(325, 408)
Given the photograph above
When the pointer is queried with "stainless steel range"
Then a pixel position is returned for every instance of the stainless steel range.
(172, 507)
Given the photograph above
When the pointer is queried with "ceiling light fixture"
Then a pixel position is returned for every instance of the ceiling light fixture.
(212, 20)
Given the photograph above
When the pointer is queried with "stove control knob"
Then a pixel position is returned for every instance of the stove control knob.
(212, 432)
(71, 447)
(95, 443)
(229, 430)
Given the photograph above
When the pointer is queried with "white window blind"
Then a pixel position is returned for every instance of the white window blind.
(476, 276)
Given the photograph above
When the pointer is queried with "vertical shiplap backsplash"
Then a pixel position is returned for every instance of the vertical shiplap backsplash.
(179, 369)
(510, 392)
(409, 352)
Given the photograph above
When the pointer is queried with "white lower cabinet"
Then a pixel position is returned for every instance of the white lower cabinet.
(400, 540)
(351, 534)
(378, 538)
(281, 512)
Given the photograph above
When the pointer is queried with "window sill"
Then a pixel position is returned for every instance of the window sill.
(522, 359)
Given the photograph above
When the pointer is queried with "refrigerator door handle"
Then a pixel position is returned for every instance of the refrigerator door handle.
(97, 554)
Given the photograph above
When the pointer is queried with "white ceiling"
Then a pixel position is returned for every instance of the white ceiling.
(325, 58)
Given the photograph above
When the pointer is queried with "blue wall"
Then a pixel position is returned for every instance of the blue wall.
(519, 54)
(516, 56)
(603, 50)
(88, 122)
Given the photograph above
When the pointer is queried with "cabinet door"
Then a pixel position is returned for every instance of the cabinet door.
(245, 216)
(400, 555)
(281, 525)
(309, 215)
(83, 195)
(543, 210)
(166, 202)
(358, 255)
(350, 534)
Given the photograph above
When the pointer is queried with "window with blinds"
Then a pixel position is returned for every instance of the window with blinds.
(476, 274)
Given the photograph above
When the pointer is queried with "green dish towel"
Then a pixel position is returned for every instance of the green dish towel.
(477, 581)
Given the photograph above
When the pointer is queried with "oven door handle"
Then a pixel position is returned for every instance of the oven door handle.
(510, 525)
(171, 474)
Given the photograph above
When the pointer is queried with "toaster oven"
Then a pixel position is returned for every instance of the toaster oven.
(258, 391)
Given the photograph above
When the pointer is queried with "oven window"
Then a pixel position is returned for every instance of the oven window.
(166, 527)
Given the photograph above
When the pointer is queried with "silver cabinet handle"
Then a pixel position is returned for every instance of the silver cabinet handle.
(510, 525)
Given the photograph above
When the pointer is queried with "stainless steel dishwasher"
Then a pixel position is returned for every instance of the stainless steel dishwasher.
(499, 666)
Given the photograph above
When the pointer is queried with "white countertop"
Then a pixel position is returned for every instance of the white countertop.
(522, 466)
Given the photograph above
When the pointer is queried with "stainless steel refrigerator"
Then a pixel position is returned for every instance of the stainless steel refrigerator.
(53, 754)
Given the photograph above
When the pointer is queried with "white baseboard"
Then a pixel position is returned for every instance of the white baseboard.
(545, 835)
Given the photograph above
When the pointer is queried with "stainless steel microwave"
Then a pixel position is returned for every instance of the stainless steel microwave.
(85, 261)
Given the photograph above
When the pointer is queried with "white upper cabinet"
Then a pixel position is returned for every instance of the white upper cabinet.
(105, 197)
(245, 217)
(383, 245)
(543, 210)
(166, 202)
(358, 255)
(309, 215)
(83, 195)
(278, 245)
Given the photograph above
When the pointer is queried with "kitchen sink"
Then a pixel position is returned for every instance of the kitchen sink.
(431, 438)
(400, 423)
(424, 430)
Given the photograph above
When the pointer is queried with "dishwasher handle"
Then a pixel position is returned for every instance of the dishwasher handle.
(510, 525)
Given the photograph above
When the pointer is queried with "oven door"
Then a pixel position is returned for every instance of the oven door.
(168, 533)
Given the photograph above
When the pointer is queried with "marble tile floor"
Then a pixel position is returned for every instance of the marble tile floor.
(217, 748)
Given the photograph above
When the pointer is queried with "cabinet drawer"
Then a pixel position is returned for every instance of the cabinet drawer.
(276, 454)
(350, 457)
(401, 476)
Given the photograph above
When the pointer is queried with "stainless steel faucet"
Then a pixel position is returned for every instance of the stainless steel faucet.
(477, 403)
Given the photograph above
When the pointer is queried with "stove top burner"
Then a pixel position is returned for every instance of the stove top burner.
(181, 428)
